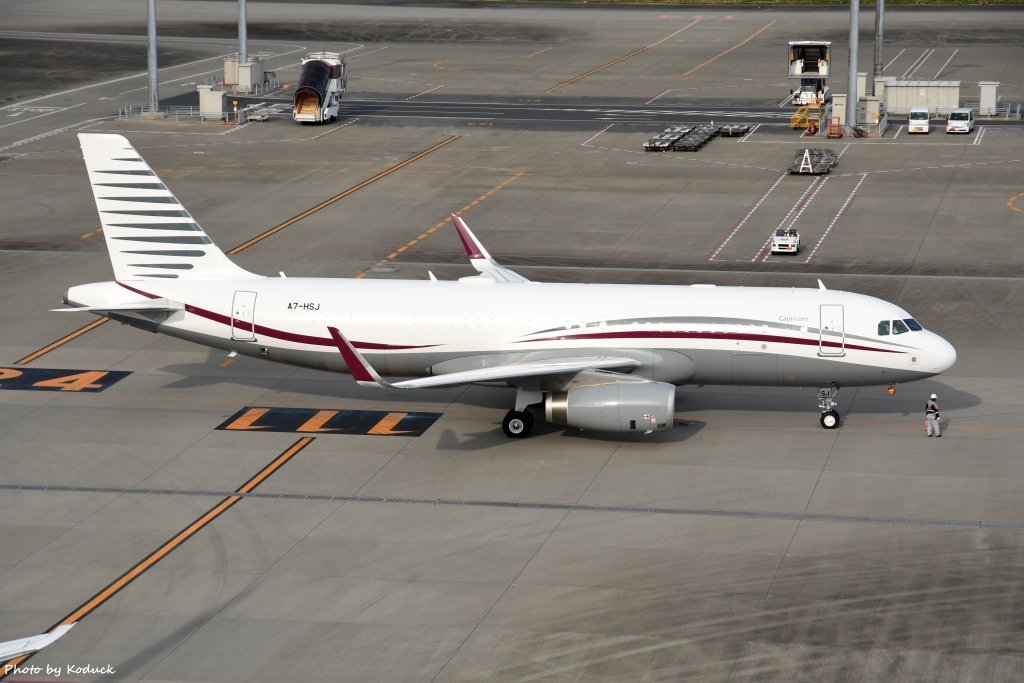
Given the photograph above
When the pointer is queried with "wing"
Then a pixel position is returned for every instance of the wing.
(24, 646)
(365, 375)
(480, 259)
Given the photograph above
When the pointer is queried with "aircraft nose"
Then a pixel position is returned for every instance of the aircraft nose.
(942, 354)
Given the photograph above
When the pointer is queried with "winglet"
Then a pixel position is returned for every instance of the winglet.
(474, 249)
(362, 372)
(480, 259)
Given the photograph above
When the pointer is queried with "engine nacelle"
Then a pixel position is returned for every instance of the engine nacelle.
(614, 407)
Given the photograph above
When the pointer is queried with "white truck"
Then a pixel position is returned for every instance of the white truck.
(812, 91)
(320, 88)
(786, 241)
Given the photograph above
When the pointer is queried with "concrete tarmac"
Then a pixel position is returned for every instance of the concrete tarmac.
(746, 544)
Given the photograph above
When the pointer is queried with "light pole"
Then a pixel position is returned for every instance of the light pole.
(879, 29)
(154, 92)
(243, 49)
(851, 89)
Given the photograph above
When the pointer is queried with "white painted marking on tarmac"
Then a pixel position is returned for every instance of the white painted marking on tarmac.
(234, 129)
(102, 83)
(412, 97)
(895, 58)
(363, 54)
(750, 213)
(595, 135)
(943, 67)
(820, 180)
(898, 131)
(918, 63)
(657, 96)
(784, 102)
(682, 158)
(34, 138)
(747, 136)
(39, 116)
(334, 129)
(839, 214)
(979, 136)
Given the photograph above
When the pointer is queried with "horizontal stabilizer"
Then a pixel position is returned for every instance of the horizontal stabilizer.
(145, 306)
(24, 646)
(365, 375)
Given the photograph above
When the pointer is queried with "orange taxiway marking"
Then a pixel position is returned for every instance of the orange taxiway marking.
(623, 58)
(441, 223)
(163, 551)
(62, 341)
(734, 47)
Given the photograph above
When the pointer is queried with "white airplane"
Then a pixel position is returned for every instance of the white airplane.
(26, 646)
(591, 356)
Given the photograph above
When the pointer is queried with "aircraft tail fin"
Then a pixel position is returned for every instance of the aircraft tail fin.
(149, 234)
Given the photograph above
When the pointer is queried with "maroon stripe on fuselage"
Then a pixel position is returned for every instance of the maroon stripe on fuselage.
(665, 334)
(279, 334)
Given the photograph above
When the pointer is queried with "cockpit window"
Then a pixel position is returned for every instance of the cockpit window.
(913, 324)
(899, 327)
(883, 328)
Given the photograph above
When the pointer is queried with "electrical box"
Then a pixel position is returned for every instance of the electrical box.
(211, 102)
(988, 97)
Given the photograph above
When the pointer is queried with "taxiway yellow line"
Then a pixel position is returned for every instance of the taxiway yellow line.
(167, 548)
(341, 195)
(734, 47)
(634, 53)
(61, 342)
(441, 223)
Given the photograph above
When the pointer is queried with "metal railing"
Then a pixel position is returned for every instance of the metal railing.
(253, 112)
(270, 82)
(143, 111)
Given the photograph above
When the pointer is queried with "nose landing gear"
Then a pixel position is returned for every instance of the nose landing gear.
(829, 416)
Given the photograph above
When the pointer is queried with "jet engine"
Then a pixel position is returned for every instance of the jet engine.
(614, 407)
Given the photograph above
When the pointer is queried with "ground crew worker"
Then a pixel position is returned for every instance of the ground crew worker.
(931, 416)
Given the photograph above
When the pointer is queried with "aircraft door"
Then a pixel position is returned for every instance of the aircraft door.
(831, 332)
(243, 312)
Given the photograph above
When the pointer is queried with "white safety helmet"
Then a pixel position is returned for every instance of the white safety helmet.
(933, 397)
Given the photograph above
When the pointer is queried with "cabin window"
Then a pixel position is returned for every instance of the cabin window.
(899, 327)
(913, 324)
(883, 328)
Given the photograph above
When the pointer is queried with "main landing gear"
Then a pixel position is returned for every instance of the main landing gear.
(829, 416)
(518, 422)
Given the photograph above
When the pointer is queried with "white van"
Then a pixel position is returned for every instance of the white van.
(918, 120)
(960, 121)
